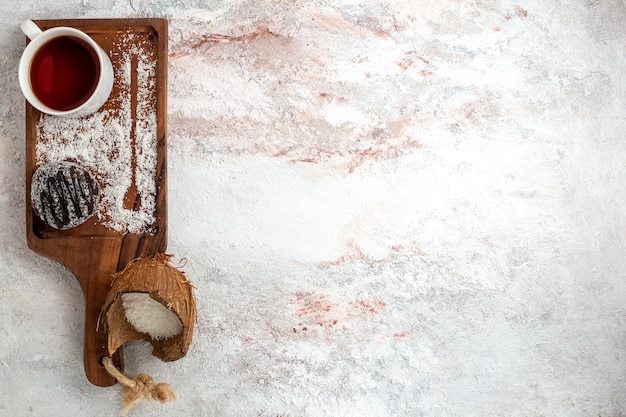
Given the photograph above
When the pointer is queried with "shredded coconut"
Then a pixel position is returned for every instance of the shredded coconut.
(110, 144)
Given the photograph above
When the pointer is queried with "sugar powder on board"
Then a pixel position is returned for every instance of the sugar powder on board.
(103, 141)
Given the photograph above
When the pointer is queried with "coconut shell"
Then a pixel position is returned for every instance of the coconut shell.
(165, 284)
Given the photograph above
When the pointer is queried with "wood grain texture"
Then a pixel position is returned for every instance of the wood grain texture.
(92, 251)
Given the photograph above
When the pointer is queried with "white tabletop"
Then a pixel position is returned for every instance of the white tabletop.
(409, 208)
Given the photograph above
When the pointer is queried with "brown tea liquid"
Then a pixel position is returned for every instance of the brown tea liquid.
(64, 73)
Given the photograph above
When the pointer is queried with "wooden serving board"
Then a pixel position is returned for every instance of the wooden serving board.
(131, 121)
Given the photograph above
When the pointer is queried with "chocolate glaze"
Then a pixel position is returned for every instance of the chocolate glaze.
(64, 194)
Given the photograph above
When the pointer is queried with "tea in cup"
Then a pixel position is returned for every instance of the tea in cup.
(64, 72)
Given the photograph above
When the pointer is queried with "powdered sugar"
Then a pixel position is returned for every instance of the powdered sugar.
(118, 147)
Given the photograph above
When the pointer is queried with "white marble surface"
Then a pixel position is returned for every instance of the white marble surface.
(407, 208)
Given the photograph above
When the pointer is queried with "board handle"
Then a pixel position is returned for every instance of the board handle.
(95, 346)
(94, 269)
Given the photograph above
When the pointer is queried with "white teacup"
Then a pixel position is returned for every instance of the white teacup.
(64, 72)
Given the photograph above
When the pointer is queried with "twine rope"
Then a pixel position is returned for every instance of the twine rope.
(139, 387)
